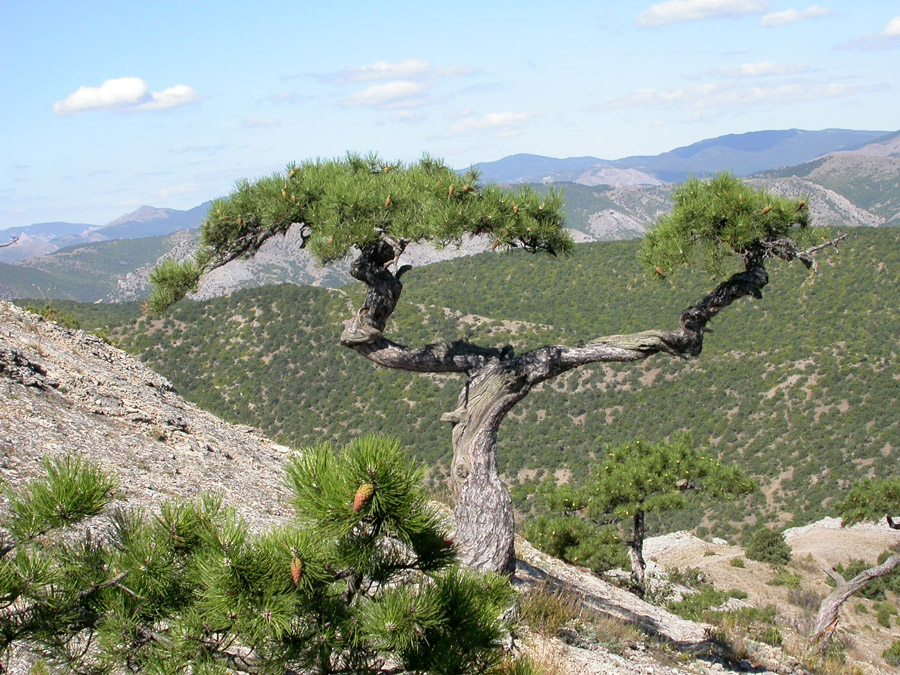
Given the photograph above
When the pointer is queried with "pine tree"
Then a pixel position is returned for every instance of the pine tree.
(638, 479)
(870, 499)
(373, 210)
(363, 581)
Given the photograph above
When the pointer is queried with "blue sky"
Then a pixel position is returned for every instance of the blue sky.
(111, 105)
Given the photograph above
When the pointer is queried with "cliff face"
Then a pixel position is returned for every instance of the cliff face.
(66, 391)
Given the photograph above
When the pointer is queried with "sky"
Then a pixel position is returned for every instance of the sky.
(108, 106)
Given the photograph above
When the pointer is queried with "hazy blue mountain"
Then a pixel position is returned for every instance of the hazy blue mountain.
(42, 238)
(46, 238)
(743, 154)
(148, 221)
(749, 153)
(56, 229)
(525, 168)
(853, 184)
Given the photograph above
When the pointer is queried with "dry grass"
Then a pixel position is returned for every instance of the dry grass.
(546, 610)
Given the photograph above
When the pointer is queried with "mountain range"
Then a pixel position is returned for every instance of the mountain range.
(147, 221)
(852, 179)
(742, 154)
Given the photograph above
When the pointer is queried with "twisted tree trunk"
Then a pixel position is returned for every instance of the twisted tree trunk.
(498, 379)
(827, 619)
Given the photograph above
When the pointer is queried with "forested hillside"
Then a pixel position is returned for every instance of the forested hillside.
(800, 388)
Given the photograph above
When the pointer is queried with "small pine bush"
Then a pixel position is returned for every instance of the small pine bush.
(772, 636)
(768, 546)
(366, 574)
(51, 313)
(883, 614)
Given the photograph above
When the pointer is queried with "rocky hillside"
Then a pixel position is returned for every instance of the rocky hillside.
(66, 391)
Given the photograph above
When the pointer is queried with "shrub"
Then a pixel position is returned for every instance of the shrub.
(578, 542)
(786, 579)
(737, 562)
(768, 546)
(883, 614)
(805, 599)
(51, 313)
(892, 654)
(693, 606)
(772, 636)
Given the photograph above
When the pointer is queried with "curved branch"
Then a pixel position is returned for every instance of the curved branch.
(827, 620)
(447, 357)
(248, 244)
(364, 333)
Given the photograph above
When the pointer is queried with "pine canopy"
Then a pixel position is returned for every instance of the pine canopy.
(355, 201)
(714, 220)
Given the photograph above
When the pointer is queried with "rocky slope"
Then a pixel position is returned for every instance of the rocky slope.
(66, 391)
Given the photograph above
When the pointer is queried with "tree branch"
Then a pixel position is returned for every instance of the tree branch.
(364, 334)
(827, 620)
(448, 357)
(10, 242)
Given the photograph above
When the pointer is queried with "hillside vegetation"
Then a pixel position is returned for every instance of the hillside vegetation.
(799, 388)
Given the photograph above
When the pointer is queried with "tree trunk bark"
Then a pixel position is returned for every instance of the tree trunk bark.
(636, 553)
(484, 512)
(827, 620)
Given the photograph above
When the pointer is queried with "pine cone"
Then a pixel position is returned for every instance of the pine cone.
(296, 570)
(363, 496)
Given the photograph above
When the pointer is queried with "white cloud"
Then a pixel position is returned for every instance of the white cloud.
(260, 123)
(286, 97)
(113, 93)
(793, 16)
(411, 69)
(381, 70)
(179, 95)
(675, 11)
(888, 38)
(762, 69)
(722, 95)
(399, 92)
(124, 93)
(892, 29)
(503, 123)
(176, 190)
(656, 97)
(407, 117)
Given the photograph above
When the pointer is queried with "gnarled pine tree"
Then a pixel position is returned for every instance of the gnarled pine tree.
(870, 499)
(373, 210)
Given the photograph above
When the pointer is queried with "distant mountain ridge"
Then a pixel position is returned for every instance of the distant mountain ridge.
(147, 221)
(743, 154)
